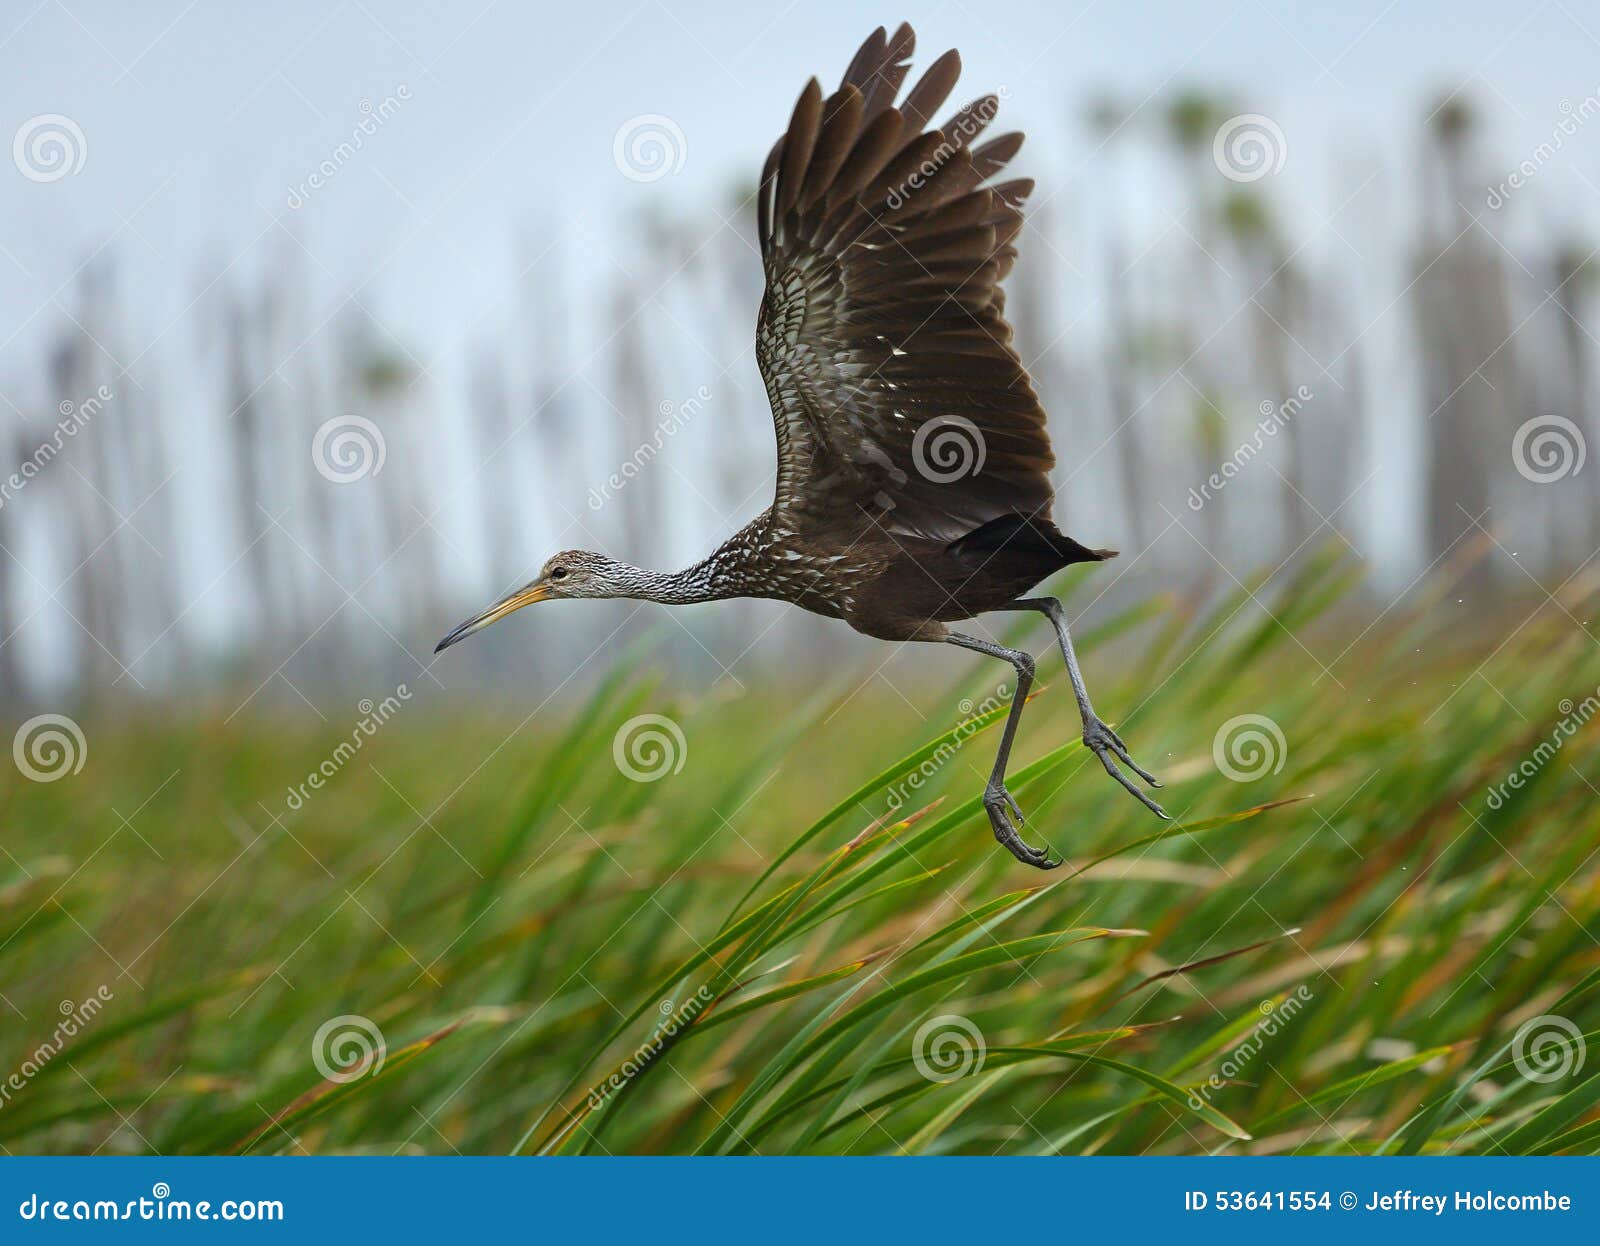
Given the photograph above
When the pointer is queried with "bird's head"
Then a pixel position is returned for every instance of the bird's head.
(571, 573)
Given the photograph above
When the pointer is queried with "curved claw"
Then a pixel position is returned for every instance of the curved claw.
(994, 804)
(1105, 743)
(1121, 751)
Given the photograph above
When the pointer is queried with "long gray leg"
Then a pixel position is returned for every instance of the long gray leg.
(1099, 738)
(996, 800)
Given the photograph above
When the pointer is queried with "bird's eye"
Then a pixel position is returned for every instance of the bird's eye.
(560, 573)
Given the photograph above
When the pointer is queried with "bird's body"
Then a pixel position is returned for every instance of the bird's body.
(891, 588)
(913, 458)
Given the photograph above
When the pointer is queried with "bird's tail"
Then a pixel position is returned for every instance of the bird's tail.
(1024, 533)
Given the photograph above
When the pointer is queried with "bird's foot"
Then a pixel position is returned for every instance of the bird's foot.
(1106, 744)
(1001, 807)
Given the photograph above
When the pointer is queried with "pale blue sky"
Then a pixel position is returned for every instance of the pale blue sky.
(199, 117)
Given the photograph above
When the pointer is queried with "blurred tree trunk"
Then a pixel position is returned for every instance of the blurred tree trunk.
(1464, 325)
(489, 408)
(636, 398)
(242, 419)
(1573, 271)
(1109, 119)
(13, 692)
(91, 578)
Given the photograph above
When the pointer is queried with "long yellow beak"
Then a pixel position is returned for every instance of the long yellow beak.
(506, 605)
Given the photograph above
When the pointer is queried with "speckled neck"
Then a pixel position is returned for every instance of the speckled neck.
(722, 574)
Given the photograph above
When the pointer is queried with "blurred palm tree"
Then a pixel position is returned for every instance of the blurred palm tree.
(1108, 118)
(1277, 295)
(1575, 272)
(1464, 325)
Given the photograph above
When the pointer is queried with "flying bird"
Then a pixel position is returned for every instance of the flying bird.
(912, 478)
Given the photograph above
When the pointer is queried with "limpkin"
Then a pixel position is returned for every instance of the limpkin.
(912, 487)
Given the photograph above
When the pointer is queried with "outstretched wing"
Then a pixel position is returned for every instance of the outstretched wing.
(882, 340)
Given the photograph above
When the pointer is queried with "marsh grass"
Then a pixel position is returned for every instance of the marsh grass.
(756, 954)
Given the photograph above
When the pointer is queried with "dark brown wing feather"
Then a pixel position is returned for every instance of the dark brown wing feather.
(882, 338)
